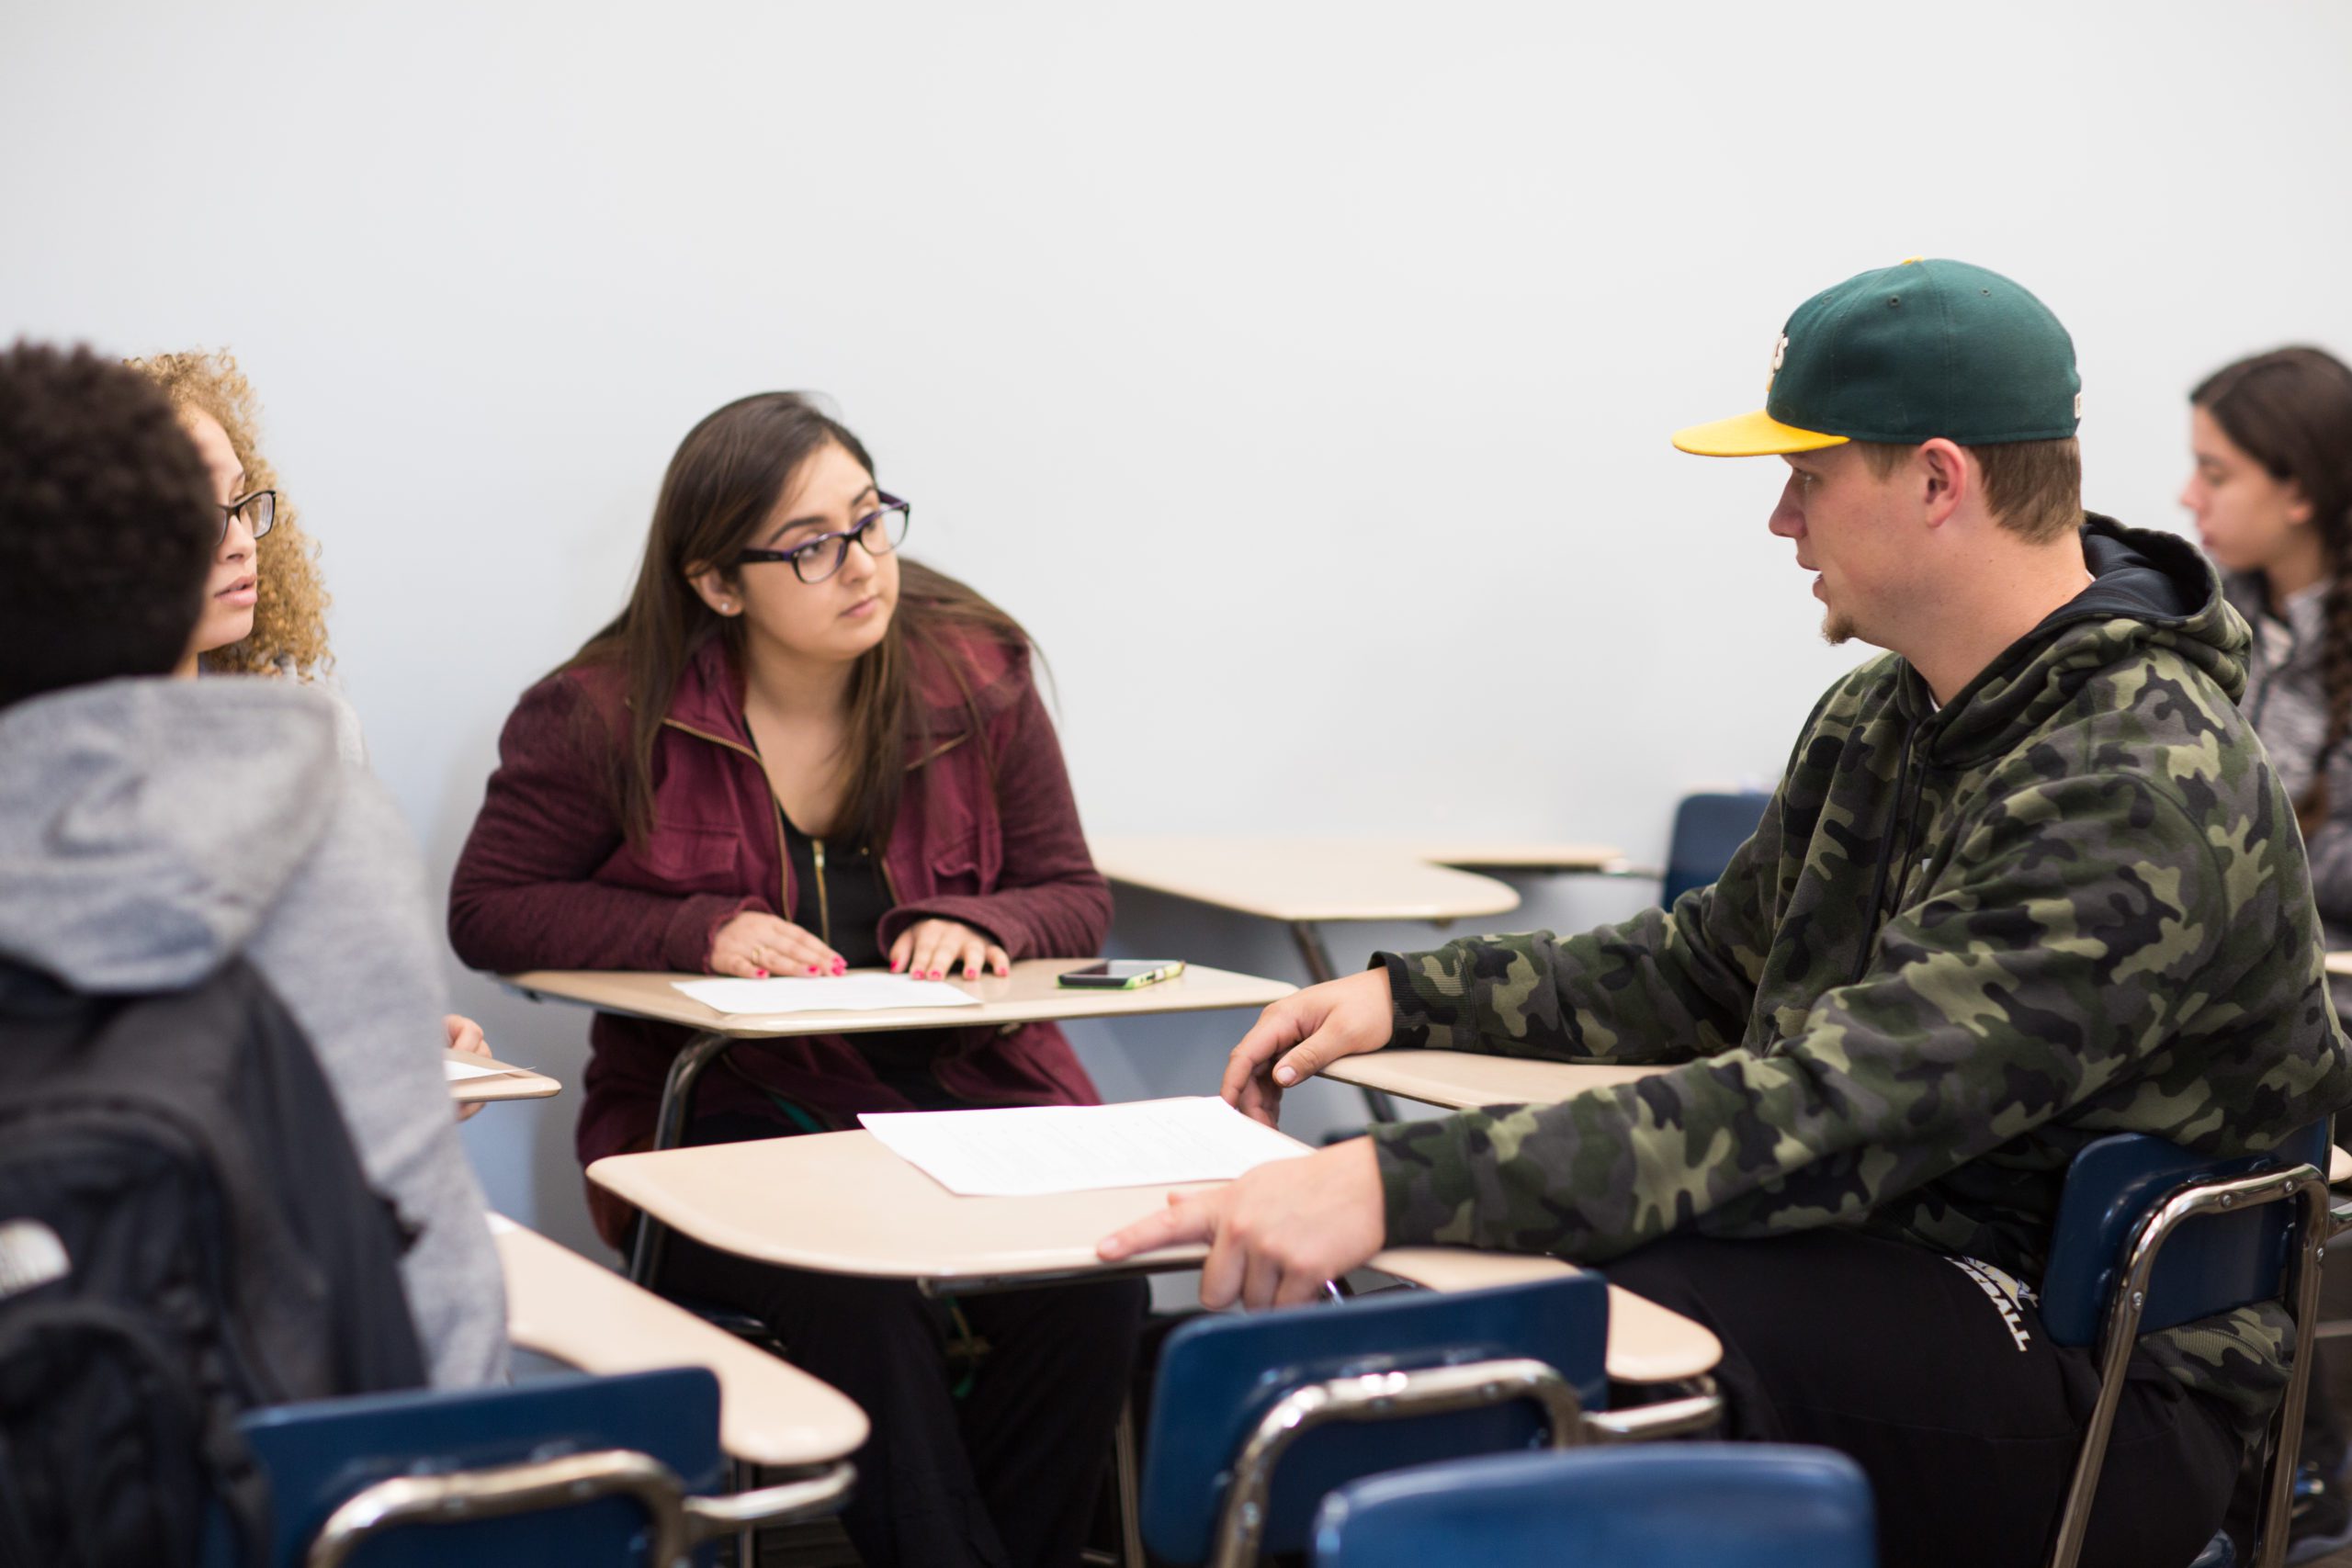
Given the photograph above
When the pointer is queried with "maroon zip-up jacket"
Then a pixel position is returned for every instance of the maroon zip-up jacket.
(550, 881)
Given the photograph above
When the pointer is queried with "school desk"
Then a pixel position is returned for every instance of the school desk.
(563, 1306)
(510, 1082)
(1461, 1079)
(1026, 996)
(859, 1209)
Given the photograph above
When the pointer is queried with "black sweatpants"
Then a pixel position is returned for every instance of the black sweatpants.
(1006, 1477)
(1945, 1390)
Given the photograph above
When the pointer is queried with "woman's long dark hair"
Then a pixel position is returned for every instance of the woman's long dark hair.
(2290, 411)
(724, 481)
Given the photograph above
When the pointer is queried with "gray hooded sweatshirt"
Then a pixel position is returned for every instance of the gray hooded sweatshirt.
(151, 829)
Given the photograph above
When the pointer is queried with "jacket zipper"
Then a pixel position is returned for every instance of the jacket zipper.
(824, 906)
(784, 851)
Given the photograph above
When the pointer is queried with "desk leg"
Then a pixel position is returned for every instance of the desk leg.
(1127, 1465)
(1318, 969)
(669, 1132)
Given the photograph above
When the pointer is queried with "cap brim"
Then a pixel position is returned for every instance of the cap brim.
(1756, 434)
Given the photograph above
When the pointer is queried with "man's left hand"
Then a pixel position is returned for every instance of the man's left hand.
(1277, 1234)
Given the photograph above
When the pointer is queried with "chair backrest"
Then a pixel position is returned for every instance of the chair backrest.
(2213, 1264)
(1646, 1505)
(1708, 829)
(317, 1454)
(1218, 1375)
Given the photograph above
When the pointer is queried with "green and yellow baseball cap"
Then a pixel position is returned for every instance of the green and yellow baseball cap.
(1904, 355)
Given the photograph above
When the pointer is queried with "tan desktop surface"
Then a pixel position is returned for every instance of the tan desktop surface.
(1459, 1079)
(512, 1082)
(1648, 1343)
(561, 1304)
(844, 1203)
(1518, 854)
(1029, 994)
(1303, 879)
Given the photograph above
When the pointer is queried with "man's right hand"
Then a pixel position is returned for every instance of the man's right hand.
(1302, 1035)
(754, 945)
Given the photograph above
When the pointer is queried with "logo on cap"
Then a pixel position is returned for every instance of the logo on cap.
(1779, 351)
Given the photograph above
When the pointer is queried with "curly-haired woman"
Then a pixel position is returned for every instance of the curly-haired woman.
(266, 608)
(266, 604)
(2271, 494)
(796, 752)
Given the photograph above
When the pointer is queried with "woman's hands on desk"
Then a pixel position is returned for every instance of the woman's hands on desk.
(1277, 1234)
(929, 950)
(754, 945)
(1301, 1035)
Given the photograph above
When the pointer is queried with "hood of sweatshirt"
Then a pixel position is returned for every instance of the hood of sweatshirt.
(148, 826)
(2147, 589)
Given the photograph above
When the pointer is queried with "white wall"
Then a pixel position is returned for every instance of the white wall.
(1300, 375)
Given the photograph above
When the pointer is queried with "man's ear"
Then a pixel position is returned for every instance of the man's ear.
(1946, 476)
(716, 591)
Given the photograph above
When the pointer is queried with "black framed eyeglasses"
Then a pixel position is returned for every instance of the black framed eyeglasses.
(258, 512)
(879, 531)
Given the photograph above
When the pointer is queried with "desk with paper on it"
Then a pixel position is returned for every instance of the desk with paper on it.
(882, 1217)
(475, 1078)
(1032, 993)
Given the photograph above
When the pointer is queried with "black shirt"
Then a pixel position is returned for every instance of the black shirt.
(840, 894)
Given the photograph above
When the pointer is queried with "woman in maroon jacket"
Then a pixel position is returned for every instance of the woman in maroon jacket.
(797, 753)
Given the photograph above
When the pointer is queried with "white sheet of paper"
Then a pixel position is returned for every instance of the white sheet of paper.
(459, 1070)
(1028, 1151)
(852, 993)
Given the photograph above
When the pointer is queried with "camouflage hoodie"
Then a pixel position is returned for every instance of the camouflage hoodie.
(1964, 943)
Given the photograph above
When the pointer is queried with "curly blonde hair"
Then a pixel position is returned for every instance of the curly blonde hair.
(290, 633)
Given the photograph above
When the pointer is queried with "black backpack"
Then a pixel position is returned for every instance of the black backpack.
(185, 1234)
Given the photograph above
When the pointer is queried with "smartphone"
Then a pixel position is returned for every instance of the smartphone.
(1123, 974)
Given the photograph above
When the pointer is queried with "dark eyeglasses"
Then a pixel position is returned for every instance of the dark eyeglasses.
(258, 511)
(878, 531)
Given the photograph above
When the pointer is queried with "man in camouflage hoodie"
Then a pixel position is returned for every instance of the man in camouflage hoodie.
(2028, 881)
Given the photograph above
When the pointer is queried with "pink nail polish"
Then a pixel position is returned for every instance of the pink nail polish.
(896, 965)
(812, 968)
(761, 973)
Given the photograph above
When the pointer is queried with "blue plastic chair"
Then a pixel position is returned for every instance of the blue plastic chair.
(581, 1471)
(1671, 1505)
(2151, 1235)
(1261, 1414)
(1708, 830)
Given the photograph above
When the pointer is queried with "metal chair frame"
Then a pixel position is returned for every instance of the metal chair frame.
(1376, 1397)
(1431, 1391)
(677, 1521)
(2301, 1184)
